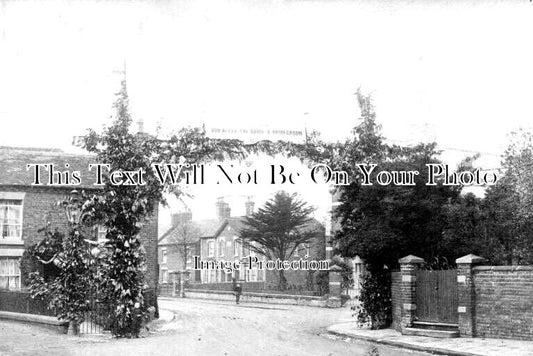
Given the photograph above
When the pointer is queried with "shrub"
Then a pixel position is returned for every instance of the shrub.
(375, 299)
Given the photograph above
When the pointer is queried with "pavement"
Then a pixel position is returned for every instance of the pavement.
(461, 346)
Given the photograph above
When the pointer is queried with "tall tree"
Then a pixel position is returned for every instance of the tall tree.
(381, 223)
(278, 228)
(509, 203)
(183, 237)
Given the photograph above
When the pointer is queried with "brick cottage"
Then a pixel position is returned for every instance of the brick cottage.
(26, 208)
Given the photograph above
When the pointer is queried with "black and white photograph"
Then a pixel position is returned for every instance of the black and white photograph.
(266, 177)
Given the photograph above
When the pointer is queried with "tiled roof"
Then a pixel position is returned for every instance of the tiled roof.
(213, 227)
(208, 228)
(14, 161)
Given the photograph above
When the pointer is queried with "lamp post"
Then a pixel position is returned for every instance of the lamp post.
(72, 205)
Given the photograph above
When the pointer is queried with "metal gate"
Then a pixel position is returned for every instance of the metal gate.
(436, 296)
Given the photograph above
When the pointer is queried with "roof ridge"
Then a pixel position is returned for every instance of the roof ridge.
(43, 149)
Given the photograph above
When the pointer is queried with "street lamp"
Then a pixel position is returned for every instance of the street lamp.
(72, 205)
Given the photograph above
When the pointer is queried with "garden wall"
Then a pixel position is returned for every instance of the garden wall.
(396, 278)
(493, 301)
(257, 297)
(503, 302)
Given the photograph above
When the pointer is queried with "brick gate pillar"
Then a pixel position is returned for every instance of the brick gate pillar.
(466, 293)
(335, 290)
(408, 267)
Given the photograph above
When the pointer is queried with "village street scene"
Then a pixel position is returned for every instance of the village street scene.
(270, 177)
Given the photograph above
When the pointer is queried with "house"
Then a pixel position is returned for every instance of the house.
(178, 246)
(25, 208)
(219, 241)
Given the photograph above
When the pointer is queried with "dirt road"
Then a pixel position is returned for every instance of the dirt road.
(208, 328)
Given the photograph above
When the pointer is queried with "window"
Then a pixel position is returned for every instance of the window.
(164, 275)
(164, 255)
(9, 273)
(221, 247)
(10, 219)
(211, 248)
(251, 275)
(236, 246)
(252, 251)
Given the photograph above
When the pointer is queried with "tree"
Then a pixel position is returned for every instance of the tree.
(183, 237)
(506, 230)
(465, 230)
(382, 223)
(508, 205)
(278, 228)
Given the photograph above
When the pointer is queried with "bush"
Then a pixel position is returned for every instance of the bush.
(376, 301)
(322, 282)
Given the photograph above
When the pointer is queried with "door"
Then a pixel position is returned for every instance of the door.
(436, 296)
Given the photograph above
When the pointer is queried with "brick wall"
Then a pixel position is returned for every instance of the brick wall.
(148, 236)
(495, 302)
(247, 286)
(504, 302)
(396, 280)
(256, 287)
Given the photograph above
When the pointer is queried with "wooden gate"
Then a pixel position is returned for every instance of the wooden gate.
(436, 296)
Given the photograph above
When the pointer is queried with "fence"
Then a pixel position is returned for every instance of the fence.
(22, 302)
(95, 319)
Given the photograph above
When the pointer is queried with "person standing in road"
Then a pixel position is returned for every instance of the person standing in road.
(238, 291)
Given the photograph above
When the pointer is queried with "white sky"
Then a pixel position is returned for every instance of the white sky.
(461, 70)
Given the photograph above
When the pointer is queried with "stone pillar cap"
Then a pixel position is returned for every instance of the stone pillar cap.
(470, 259)
(358, 260)
(411, 260)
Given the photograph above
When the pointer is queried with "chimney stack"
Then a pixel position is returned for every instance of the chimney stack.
(181, 218)
(249, 205)
(140, 124)
(223, 209)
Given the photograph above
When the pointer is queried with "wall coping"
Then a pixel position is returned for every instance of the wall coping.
(33, 318)
(504, 268)
(252, 294)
